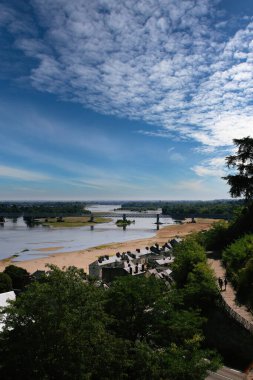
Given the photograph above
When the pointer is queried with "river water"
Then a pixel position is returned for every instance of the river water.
(18, 239)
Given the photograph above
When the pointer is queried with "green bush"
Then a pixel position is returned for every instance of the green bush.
(236, 256)
(5, 283)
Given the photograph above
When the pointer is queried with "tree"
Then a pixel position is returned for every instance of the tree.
(201, 289)
(187, 254)
(66, 328)
(129, 302)
(241, 184)
(57, 330)
(5, 283)
(20, 277)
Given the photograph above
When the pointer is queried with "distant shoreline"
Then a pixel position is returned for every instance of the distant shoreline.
(82, 258)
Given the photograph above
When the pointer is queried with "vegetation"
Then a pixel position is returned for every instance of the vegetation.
(187, 209)
(42, 209)
(193, 275)
(124, 222)
(136, 329)
(241, 183)
(19, 276)
(238, 259)
(78, 221)
(5, 283)
(234, 240)
(205, 209)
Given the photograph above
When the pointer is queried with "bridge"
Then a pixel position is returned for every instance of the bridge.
(132, 215)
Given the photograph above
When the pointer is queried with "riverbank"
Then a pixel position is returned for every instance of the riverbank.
(82, 258)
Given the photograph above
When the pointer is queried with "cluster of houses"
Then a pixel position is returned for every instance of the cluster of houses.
(151, 261)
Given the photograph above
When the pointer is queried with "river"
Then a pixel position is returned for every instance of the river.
(18, 239)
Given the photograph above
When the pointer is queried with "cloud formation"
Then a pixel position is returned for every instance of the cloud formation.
(26, 175)
(175, 64)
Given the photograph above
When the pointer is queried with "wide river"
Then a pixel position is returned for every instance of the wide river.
(18, 239)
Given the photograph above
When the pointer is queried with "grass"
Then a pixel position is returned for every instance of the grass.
(77, 221)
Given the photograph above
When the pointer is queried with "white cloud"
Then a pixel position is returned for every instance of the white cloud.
(214, 167)
(26, 175)
(170, 63)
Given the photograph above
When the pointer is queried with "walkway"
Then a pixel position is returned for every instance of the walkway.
(240, 313)
(226, 373)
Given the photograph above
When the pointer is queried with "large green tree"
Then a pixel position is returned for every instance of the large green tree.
(5, 283)
(20, 277)
(57, 330)
(65, 328)
(241, 183)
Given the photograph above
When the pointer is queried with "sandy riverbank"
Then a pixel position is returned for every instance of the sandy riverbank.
(83, 258)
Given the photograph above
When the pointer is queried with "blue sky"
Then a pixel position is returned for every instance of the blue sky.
(115, 99)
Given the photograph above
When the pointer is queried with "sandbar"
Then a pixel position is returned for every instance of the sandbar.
(82, 258)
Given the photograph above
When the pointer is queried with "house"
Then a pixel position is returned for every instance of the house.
(116, 261)
(108, 267)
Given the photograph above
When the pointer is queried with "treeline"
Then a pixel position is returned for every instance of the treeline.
(188, 209)
(42, 209)
(206, 209)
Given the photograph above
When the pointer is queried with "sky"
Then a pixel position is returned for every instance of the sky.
(122, 100)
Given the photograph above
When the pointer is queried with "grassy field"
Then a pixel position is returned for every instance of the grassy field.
(76, 221)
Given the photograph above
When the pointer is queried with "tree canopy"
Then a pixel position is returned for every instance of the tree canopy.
(19, 276)
(5, 283)
(67, 328)
(241, 183)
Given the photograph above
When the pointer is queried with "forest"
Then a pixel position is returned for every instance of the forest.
(42, 209)
(188, 209)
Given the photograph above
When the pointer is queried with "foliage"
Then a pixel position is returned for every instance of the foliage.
(187, 254)
(5, 283)
(201, 289)
(69, 222)
(65, 328)
(172, 323)
(129, 301)
(245, 283)
(242, 223)
(185, 209)
(122, 222)
(43, 209)
(205, 209)
(222, 233)
(215, 238)
(241, 184)
(187, 362)
(236, 256)
(19, 276)
(56, 329)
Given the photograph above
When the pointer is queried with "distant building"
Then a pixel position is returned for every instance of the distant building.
(119, 264)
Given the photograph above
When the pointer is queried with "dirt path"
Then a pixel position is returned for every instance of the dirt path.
(229, 295)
